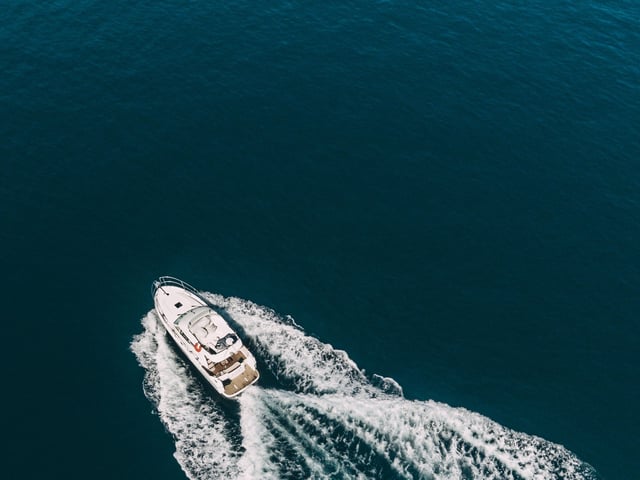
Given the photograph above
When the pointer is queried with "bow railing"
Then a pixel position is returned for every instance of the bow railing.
(166, 281)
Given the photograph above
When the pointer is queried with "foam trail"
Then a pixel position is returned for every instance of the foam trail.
(204, 448)
(257, 443)
(298, 359)
(412, 439)
(328, 419)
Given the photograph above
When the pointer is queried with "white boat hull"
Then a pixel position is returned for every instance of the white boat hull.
(204, 337)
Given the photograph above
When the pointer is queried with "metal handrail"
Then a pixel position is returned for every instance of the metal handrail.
(166, 281)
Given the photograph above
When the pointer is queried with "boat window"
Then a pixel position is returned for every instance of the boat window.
(209, 349)
(178, 305)
(183, 335)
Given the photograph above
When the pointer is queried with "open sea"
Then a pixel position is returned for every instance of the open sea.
(423, 216)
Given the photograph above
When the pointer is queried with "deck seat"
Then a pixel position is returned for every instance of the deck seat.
(204, 330)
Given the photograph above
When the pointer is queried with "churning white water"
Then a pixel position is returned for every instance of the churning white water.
(327, 419)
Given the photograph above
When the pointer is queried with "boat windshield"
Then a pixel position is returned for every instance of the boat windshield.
(222, 344)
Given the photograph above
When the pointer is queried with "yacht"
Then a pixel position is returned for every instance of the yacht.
(204, 336)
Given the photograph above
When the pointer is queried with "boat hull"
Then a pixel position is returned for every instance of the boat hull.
(178, 304)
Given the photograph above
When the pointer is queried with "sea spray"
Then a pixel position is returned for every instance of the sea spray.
(205, 446)
(327, 418)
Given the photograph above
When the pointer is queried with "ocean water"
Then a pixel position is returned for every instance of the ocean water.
(423, 216)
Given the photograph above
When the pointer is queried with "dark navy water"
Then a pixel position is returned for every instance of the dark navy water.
(448, 192)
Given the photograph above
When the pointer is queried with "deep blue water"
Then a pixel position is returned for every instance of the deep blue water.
(449, 193)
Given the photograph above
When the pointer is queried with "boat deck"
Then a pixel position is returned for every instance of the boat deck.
(241, 381)
(220, 367)
(172, 302)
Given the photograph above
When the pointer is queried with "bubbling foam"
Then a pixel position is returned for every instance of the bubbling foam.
(205, 447)
(327, 418)
(301, 361)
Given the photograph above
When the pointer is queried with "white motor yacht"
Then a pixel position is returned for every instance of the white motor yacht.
(204, 336)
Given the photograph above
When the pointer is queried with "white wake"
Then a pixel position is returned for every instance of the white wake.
(326, 419)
